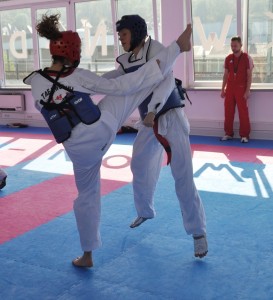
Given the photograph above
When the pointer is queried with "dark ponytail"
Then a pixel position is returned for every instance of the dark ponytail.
(48, 27)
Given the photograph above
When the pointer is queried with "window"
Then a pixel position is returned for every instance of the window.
(17, 47)
(214, 23)
(260, 33)
(23, 51)
(94, 25)
(144, 8)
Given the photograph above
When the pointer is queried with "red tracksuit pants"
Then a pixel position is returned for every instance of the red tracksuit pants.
(235, 96)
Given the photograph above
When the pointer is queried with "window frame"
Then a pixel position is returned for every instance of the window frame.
(242, 30)
(71, 24)
(33, 9)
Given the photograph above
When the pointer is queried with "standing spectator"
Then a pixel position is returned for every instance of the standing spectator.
(236, 89)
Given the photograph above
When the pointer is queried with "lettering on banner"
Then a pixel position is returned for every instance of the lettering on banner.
(212, 41)
(12, 42)
(101, 33)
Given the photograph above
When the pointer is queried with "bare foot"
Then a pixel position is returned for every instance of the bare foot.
(184, 40)
(84, 261)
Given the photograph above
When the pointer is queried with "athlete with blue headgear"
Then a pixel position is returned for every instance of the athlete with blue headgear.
(162, 120)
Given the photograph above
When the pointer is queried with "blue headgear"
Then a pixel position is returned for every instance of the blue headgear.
(136, 25)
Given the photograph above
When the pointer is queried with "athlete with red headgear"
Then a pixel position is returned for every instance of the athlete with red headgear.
(165, 106)
(87, 137)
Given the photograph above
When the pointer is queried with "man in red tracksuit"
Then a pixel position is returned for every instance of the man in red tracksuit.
(236, 89)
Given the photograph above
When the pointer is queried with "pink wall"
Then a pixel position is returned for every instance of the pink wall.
(172, 26)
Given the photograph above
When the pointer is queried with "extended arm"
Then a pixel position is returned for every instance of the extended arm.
(144, 77)
(114, 73)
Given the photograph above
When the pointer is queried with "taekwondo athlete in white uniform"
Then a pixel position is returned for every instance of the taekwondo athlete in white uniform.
(165, 106)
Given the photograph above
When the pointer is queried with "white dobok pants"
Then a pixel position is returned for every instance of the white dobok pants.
(146, 164)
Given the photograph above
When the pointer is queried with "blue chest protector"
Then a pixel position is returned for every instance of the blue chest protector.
(76, 107)
(176, 98)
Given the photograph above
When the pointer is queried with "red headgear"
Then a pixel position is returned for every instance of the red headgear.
(68, 46)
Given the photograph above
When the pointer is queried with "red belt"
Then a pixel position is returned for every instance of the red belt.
(163, 141)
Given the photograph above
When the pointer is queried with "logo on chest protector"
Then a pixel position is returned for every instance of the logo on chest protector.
(78, 101)
(53, 116)
(68, 111)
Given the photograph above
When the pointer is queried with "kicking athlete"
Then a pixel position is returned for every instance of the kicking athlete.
(164, 106)
(3, 178)
(87, 144)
